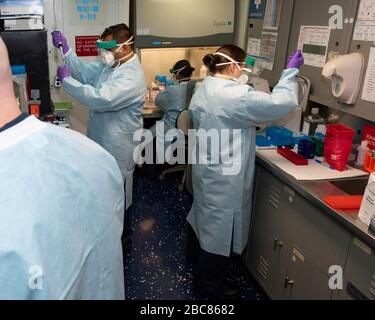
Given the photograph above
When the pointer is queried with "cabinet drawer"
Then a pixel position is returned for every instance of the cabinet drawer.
(305, 281)
(322, 239)
(359, 272)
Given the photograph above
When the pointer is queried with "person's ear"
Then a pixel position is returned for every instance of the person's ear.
(232, 68)
(122, 50)
(126, 50)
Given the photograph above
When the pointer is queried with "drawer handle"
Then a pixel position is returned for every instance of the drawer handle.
(278, 244)
(288, 283)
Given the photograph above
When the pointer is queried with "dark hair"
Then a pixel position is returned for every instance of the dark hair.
(230, 50)
(120, 32)
(187, 72)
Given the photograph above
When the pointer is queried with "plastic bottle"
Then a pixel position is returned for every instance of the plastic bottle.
(312, 122)
(362, 151)
(154, 91)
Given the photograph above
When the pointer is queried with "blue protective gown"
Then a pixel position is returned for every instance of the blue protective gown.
(221, 212)
(116, 100)
(172, 102)
(62, 212)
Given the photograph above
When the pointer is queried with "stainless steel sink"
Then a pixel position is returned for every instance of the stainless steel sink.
(353, 187)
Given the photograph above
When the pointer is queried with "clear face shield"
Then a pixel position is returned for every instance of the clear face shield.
(246, 71)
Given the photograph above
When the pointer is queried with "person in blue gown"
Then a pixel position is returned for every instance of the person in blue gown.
(62, 209)
(221, 212)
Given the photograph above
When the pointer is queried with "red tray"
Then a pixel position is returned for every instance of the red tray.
(293, 157)
(344, 202)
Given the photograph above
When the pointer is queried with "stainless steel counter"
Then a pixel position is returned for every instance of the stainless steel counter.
(316, 191)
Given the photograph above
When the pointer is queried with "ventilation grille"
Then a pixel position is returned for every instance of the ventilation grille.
(263, 268)
(372, 286)
(274, 197)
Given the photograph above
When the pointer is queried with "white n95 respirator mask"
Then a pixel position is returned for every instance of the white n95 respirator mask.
(107, 58)
(245, 76)
(245, 72)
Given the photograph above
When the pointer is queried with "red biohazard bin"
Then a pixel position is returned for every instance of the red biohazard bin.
(338, 145)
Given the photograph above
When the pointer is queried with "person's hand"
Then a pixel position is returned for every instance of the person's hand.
(296, 60)
(59, 40)
(63, 72)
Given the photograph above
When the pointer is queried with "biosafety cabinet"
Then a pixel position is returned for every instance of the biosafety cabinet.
(323, 29)
(187, 23)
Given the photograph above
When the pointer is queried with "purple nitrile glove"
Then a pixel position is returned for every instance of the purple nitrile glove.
(63, 72)
(59, 40)
(296, 60)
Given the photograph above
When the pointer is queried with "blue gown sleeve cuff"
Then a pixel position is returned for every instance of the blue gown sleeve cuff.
(66, 55)
(289, 73)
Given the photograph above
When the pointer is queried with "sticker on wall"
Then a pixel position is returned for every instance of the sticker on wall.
(272, 15)
(365, 26)
(314, 41)
(88, 12)
(257, 9)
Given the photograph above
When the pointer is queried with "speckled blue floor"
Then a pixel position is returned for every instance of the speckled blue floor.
(157, 268)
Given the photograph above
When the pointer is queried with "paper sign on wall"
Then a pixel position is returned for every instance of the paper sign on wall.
(365, 26)
(314, 41)
(368, 205)
(368, 93)
(273, 14)
(253, 46)
(267, 51)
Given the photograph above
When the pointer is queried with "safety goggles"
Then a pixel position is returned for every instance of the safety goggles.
(250, 61)
(175, 72)
(108, 45)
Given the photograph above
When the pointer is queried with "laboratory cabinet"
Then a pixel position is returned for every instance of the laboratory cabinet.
(317, 234)
(35, 59)
(269, 244)
(317, 13)
(342, 40)
(359, 273)
(292, 244)
(322, 29)
(304, 279)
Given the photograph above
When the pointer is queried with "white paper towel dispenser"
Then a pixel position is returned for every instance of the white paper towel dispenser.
(346, 73)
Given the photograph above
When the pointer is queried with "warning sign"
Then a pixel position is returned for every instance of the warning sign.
(86, 46)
